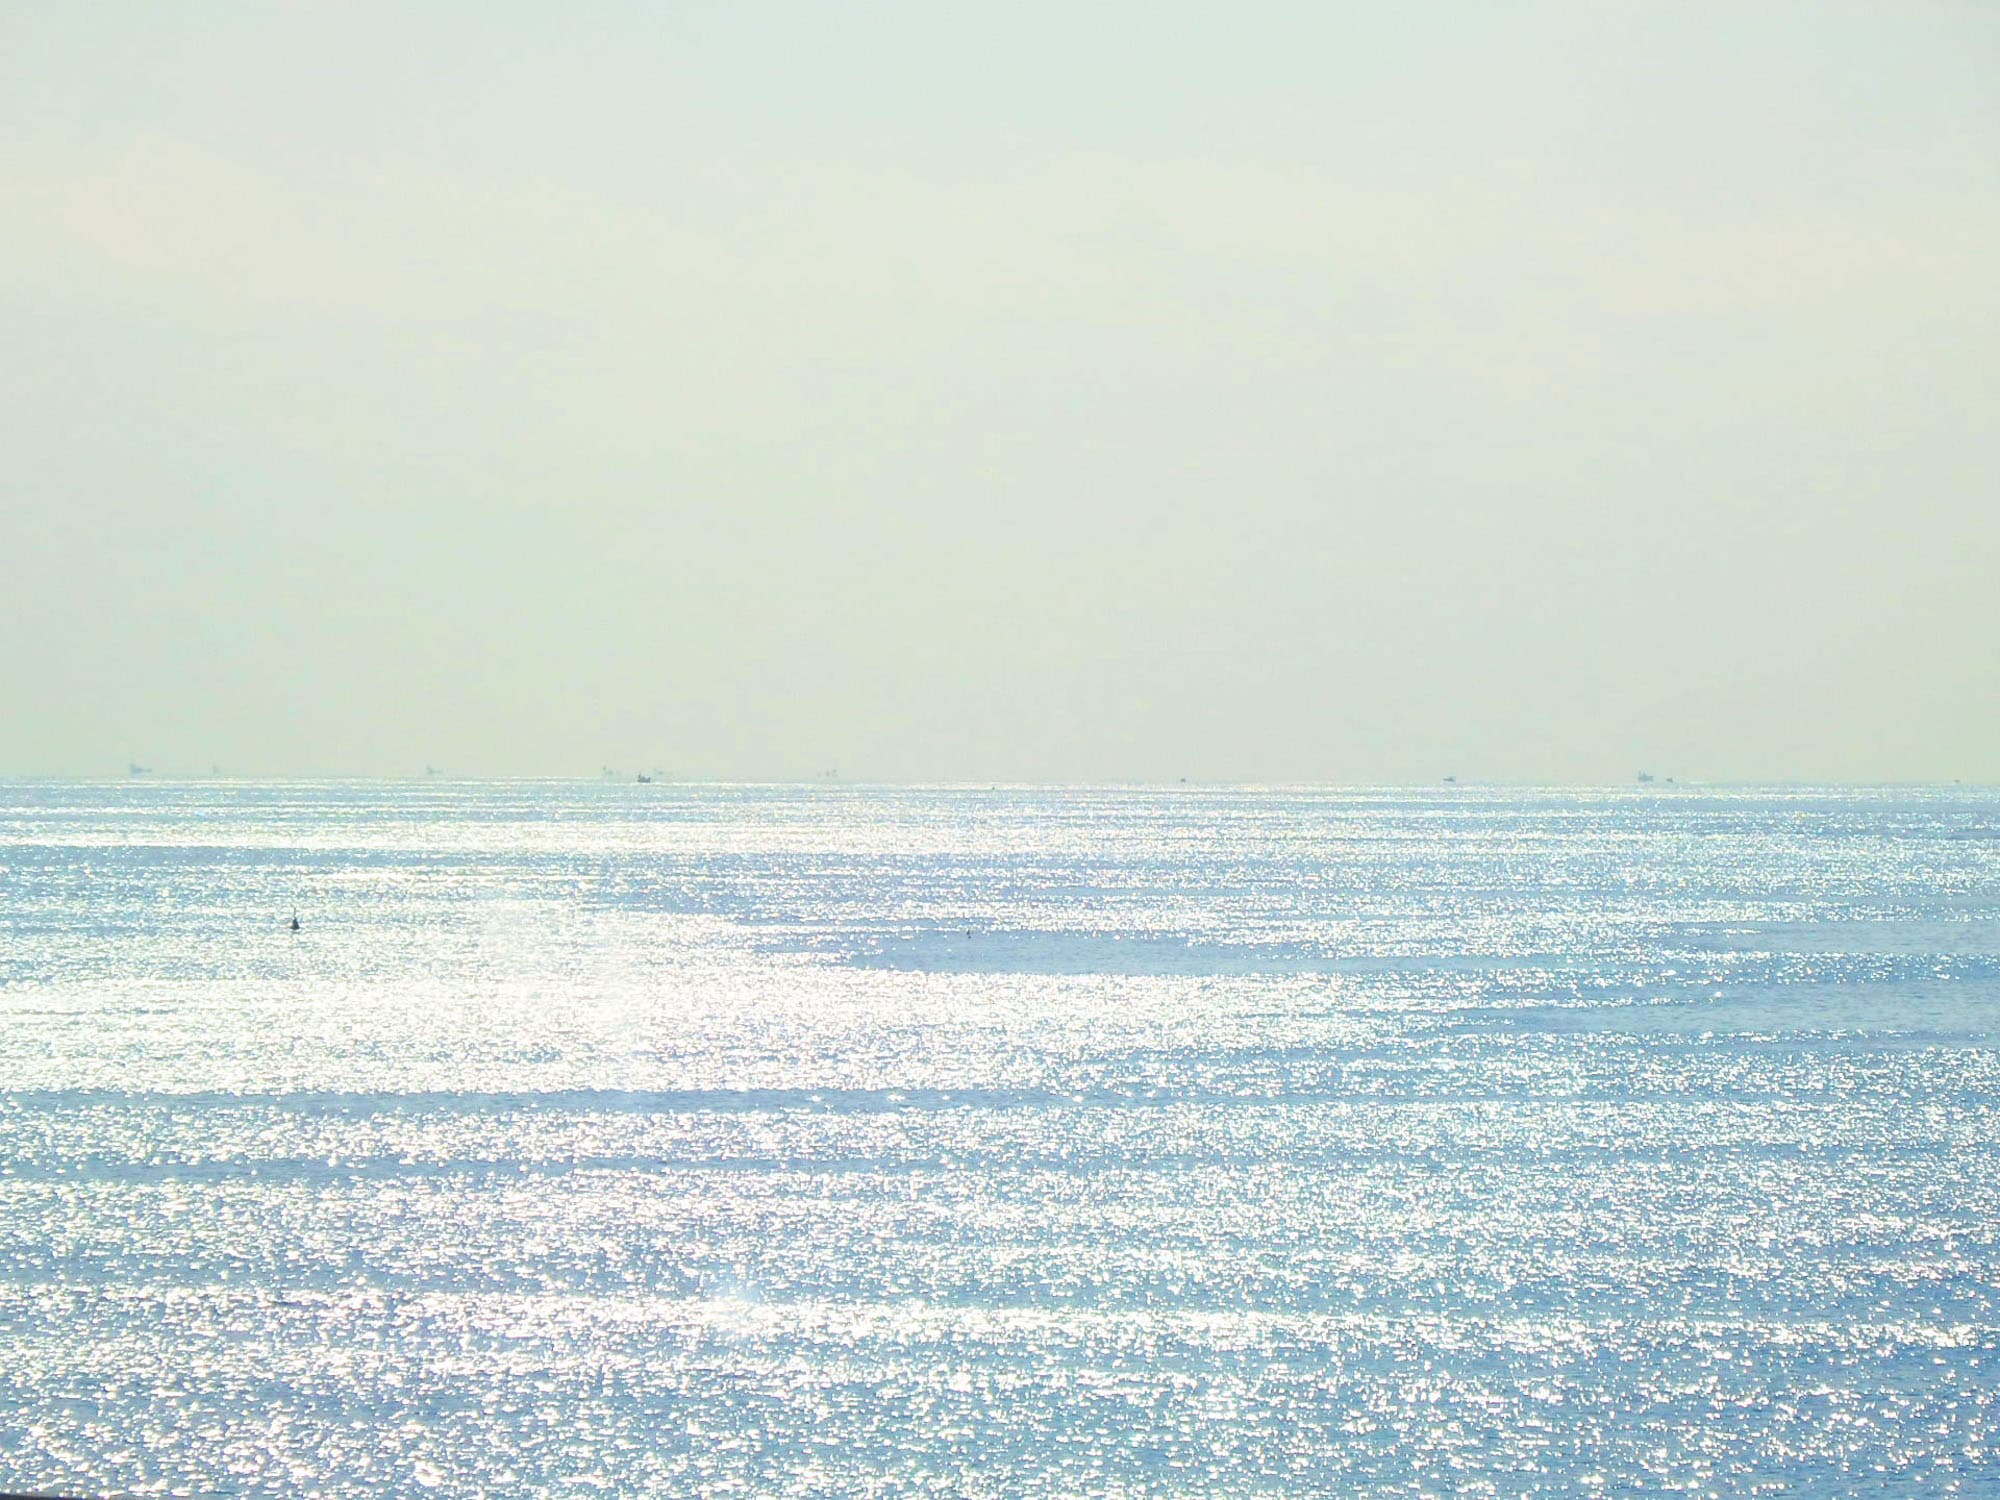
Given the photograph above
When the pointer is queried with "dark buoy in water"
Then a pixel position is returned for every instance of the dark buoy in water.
(295, 921)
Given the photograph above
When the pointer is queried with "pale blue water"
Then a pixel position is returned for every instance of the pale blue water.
(655, 1140)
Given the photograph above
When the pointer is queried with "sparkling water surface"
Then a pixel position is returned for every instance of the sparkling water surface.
(608, 1139)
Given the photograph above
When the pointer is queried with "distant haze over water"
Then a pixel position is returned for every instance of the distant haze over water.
(1348, 394)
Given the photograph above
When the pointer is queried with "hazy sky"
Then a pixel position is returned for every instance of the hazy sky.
(1122, 390)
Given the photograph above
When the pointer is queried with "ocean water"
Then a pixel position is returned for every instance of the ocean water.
(620, 1140)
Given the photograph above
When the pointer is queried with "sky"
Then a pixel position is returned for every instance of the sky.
(940, 391)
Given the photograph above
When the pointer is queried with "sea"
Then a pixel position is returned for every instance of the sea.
(605, 1139)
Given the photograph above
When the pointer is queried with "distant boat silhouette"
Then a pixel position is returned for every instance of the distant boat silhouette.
(136, 769)
(644, 779)
(295, 921)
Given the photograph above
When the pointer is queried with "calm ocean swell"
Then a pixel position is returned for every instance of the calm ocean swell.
(707, 1141)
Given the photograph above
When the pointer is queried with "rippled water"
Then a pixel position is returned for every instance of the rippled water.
(659, 1140)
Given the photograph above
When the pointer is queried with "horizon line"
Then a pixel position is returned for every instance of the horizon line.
(1636, 782)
